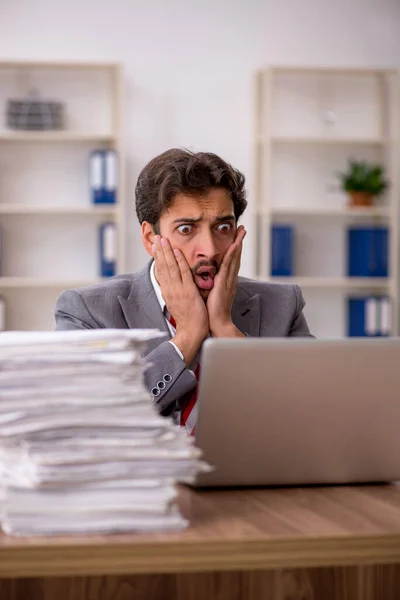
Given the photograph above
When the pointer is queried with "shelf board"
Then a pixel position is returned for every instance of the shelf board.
(333, 70)
(41, 282)
(335, 211)
(49, 64)
(56, 136)
(333, 282)
(26, 209)
(328, 140)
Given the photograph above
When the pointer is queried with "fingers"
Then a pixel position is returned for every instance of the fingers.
(173, 267)
(236, 246)
(238, 243)
(186, 273)
(167, 266)
(158, 255)
(240, 235)
(235, 249)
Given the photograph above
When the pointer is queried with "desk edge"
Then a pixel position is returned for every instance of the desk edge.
(86, 559)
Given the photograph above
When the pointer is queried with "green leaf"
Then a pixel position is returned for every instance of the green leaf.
(363, 177)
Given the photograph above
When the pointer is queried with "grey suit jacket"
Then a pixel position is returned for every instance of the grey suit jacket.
(129, 301)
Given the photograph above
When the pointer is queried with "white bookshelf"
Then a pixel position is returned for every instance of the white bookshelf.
(308, 123)
(342, 212)
(26, 209)
(49, 225)
(326, 140)
(41, 282)
(56, 136)
(344, 283)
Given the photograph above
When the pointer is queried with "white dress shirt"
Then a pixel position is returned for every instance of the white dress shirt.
(162, 304)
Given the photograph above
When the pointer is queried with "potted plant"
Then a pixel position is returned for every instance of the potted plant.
(362, 182)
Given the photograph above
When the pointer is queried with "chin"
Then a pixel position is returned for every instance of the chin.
(204, 293)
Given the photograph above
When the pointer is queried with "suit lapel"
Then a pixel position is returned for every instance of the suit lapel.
(246, 312)
(141, 309)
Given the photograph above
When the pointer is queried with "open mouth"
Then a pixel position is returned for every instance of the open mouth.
(204, 278)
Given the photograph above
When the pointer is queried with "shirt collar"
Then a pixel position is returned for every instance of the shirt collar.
(156, 286)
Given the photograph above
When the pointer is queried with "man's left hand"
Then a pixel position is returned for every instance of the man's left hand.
(220, 300)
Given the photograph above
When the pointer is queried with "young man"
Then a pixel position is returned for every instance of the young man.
(188, 205)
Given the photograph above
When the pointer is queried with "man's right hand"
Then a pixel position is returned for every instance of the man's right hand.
(182, 298)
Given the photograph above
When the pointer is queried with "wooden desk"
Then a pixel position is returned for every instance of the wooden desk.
(294, 544)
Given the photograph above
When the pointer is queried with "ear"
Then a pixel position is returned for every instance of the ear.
(147, 237)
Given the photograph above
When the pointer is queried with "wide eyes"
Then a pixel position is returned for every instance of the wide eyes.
(225, 227)
(187, 228)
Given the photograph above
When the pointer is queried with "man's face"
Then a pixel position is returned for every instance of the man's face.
(203, 229)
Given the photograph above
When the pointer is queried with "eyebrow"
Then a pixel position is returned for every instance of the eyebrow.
(191, 220)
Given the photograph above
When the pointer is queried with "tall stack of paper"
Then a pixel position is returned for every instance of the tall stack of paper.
(82, 448)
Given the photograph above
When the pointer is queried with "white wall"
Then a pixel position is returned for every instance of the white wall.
(189, 64)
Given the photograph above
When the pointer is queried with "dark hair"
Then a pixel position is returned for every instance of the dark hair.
(181, 171)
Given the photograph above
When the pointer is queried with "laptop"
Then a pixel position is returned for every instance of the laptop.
(279, 412)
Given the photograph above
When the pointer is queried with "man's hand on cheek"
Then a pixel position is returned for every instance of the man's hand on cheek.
(181, 297)
(220, 300)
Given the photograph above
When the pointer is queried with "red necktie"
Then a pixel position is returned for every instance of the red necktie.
(188, 413)
(189, 409)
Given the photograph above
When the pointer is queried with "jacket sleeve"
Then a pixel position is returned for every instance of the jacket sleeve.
(166, 377)
(299, 326)
(72, 313)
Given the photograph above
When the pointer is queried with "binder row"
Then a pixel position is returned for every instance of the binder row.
(282, 251)
(108, 249)
(103, 176)
(367, 251)
(369, 316)
(367, 256)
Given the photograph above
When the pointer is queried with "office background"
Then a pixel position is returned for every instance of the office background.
(188, 80)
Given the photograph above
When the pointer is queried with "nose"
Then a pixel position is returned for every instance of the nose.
(206, 247)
